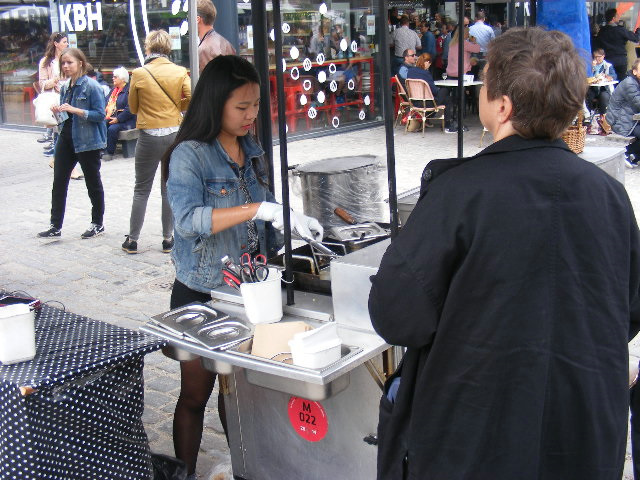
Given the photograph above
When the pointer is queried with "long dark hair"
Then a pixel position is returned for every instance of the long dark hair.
(50, 51)
(203, 120)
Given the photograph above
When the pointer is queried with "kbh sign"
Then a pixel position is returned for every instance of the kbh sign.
(83, 14)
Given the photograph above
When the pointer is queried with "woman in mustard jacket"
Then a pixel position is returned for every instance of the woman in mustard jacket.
(158, 94)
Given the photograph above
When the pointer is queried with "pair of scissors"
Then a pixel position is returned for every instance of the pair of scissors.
(253, 269)
(231, 278)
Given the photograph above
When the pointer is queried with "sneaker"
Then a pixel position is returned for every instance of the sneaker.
(131, 246)
(48, 153)
(451, 130)
(48, 146)
(630, 161)
(93, 231)
(167, 245)
(45, 138)
(107, 156)
(53, 232)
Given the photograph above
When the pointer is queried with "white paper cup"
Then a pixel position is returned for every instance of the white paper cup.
(263, 300)
(468, 78)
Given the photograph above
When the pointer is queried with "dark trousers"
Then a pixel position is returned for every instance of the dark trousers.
(65, 160)
(634, 148)
(112, 135)
(621, 70)
(602, 95)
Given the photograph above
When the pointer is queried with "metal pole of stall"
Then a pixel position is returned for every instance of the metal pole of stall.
(387, 108)
(261, 62)
(193, 43)
(461, 72)
(284, 163)
(533, 13)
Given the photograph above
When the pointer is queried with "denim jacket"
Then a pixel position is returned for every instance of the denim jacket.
(88, 131)
(203, 177)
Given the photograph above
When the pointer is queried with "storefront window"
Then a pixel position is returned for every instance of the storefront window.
(331, 74)
(332, 77)
(110, 33)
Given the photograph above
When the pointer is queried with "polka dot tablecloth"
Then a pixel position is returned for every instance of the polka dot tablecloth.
(84, 417)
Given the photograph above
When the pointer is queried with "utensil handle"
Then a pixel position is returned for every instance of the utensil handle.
(344, 215)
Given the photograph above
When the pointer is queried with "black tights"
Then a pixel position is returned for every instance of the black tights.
(196, 384)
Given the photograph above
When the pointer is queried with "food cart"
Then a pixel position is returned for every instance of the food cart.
(286, 421)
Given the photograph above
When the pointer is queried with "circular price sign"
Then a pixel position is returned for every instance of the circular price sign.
(308, 419)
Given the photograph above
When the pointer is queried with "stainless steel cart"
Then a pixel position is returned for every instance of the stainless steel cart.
(289, 422)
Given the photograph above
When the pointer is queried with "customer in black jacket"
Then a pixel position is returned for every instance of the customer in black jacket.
(515, 287)
(613, 39)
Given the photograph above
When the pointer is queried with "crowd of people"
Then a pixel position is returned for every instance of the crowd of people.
(216, 201)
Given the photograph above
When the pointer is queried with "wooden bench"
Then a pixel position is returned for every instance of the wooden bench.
(128, 139)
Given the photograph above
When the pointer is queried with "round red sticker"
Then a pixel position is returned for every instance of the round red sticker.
(308, 419)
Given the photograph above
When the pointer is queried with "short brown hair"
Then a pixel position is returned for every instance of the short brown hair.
(542, 74)
(423, 59)
(158, 41)
(79, 56)
(598, 51)
(207, 11)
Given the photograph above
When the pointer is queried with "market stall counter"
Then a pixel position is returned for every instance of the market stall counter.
(289, 421)
(75, 410)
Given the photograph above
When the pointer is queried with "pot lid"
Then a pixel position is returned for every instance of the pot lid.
(338, 164)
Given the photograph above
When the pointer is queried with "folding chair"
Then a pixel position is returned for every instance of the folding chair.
(404, 101)
(422, 102)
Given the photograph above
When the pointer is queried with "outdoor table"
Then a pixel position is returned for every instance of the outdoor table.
(604, 84)
(454, 83)
(75, 410)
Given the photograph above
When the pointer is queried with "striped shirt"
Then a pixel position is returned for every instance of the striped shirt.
(403, 38)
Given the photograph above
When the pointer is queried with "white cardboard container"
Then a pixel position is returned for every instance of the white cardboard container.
(316, 348)
(17, 334)
(263, 300)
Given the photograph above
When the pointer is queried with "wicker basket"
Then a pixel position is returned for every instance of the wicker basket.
(575, 135)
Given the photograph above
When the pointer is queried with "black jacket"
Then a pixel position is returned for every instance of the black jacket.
(515, 286)
(613, 39)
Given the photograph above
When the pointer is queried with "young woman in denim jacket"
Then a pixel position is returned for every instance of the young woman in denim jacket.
(221, 204)
(83, 134)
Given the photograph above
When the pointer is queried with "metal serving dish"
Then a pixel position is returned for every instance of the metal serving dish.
(222, 334)
(178, 354)
(179, 320)
(300, 388)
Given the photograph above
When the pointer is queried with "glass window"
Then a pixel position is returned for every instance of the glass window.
(331, 78)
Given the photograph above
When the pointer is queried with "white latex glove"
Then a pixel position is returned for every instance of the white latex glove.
(303, 226)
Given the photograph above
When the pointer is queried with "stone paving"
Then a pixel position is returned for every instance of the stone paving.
(97, 279)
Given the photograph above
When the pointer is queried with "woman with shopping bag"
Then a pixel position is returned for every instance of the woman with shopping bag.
(83, 134)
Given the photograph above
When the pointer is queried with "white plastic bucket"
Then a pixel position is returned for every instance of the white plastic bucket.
(17, 334)
(263, 300)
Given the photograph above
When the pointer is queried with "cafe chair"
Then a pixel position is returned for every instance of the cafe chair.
(404, 104)
(422, 102)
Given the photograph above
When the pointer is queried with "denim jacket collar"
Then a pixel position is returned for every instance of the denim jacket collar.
(249, 146)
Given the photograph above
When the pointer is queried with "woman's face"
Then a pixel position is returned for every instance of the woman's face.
(118, 82)
(427, 64)
(61, 45)
(241, 110)
(70, 65)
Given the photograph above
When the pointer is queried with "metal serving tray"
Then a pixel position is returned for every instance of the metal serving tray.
(222, 334)
(314, 384)
(179, 320)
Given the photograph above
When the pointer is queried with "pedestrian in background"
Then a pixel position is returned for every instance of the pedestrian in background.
(515, 286)
(623, 105)
(49, 79)
(613, 38)
(211, 43)
(83, 134)
(158, 94)
(117, 113)
(219, 195)
(403, 39)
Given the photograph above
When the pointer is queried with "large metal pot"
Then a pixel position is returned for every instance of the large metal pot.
(356, 183)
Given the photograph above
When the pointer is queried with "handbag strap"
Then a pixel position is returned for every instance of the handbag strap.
(162, 88)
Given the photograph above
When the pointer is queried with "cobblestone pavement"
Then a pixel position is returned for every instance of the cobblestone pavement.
(97, 279)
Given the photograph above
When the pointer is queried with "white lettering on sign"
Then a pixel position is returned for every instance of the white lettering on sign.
(84, 16)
